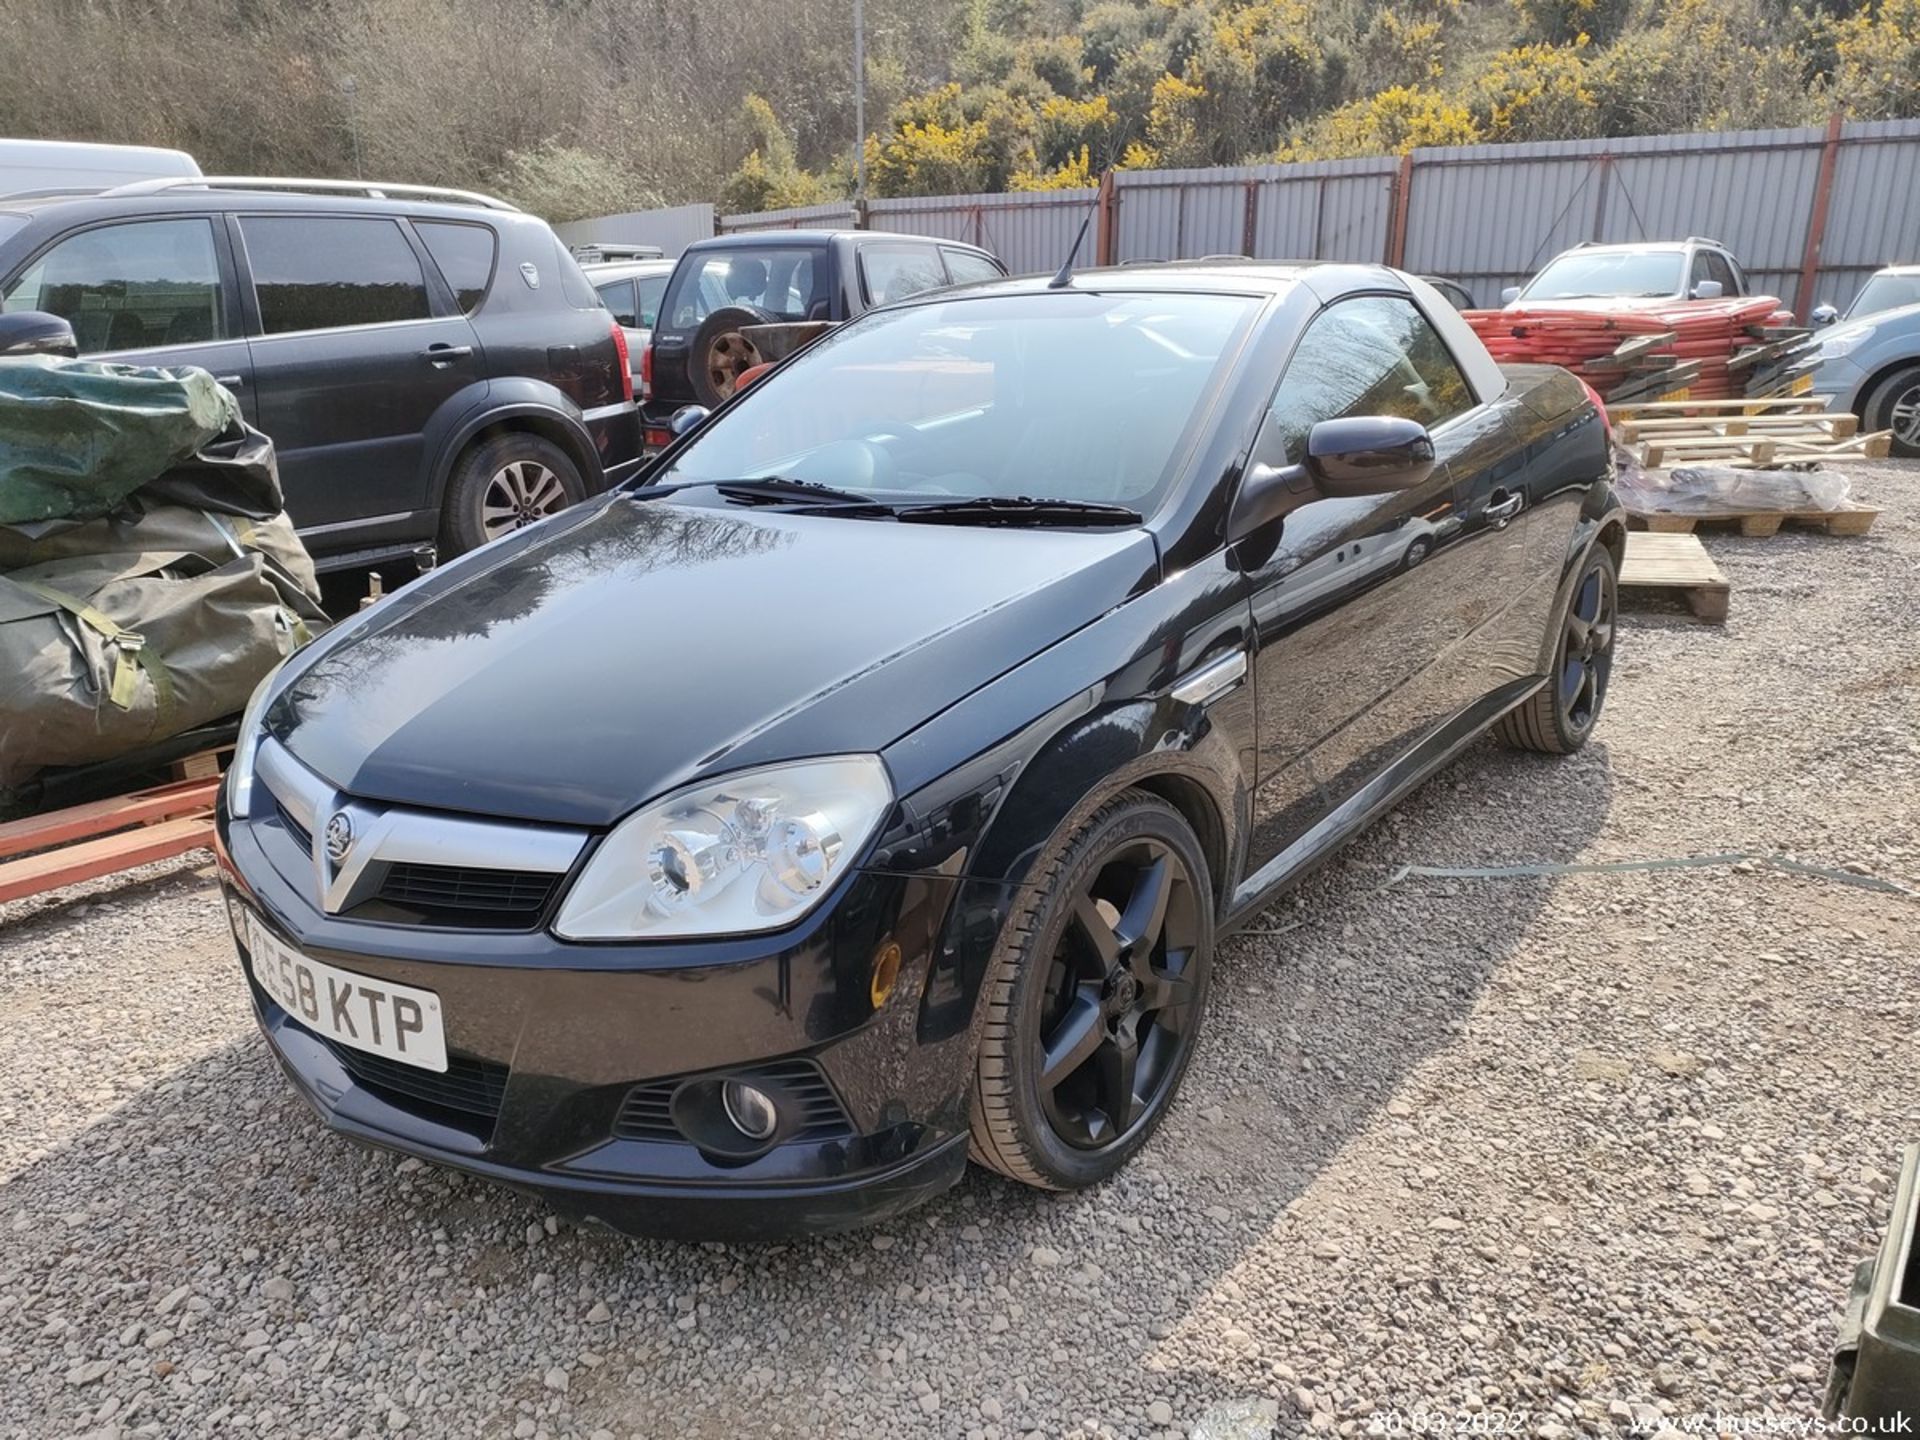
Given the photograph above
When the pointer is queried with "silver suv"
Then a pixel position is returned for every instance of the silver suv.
(1692, 269)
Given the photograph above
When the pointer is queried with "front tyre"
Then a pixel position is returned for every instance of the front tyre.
(509, 482)
(1559, 717)
(1895, 405)
(1094, 997)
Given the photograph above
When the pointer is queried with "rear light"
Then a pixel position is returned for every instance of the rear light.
(659, 439)
(1606, 425)
(646, 368)
(625, 358)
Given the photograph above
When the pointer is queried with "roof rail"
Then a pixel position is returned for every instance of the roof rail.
(372, 190)
(1706, 240)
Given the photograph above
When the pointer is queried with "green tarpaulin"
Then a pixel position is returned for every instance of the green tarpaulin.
(78, 436)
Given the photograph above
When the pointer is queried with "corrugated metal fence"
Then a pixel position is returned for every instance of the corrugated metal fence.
(672, 230)
(1810, 212)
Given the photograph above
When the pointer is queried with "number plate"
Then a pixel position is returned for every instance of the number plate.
(377, 1016)
(1802, 385)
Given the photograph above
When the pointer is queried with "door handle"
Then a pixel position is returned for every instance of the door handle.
(232, 382)
(1501, 511)
(445, 354)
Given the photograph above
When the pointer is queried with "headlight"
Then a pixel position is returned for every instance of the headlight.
(247, 745)
(1834, 346)
(753, 851)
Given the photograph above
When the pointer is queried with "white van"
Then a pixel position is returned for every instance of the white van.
(75, 165)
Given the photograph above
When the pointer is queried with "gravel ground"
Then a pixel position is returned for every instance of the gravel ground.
(1590, 1150)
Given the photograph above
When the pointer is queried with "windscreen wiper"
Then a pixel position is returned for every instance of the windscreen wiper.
(1017, 510)
(769, 490)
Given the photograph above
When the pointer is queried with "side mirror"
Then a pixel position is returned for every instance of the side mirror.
(1355, 456)
(1708, 290)
(34, 332)
(688, 417)
(1510, 294)
(1824, 315)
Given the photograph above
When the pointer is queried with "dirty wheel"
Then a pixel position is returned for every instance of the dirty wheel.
(721, 353)
(509, 482)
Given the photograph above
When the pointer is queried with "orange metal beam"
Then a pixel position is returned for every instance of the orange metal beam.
(1397, 219)
(1817, 221)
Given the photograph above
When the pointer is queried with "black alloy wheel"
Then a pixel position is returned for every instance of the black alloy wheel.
(1560, 716)
(1096, 998)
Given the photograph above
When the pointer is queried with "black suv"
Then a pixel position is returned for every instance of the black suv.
(430, 368)
(778, 277)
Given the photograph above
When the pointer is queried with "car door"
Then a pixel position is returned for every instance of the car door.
(158, 291)
(354, 348)
(1362, 608)
(1721, 269)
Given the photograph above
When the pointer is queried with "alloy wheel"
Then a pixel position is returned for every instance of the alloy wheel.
(1119, 1012)
(728, 358)
(1904, 417)
(520, 492)
(1586, 648)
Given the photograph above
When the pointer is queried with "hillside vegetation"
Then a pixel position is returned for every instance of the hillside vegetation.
(578, 107)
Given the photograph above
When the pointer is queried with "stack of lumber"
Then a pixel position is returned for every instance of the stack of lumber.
(1632, 351)
(1743, 434)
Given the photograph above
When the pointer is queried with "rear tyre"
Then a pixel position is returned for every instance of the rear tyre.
(509, 482)
(1094, 998)
(721, 354)
(1895, 405)
(1559, 717)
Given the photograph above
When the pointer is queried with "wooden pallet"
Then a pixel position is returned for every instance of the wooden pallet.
(84, 842)
(1765, 449)
(1675, 567)
(1784, 404)
(1758, 524)
(1837, 425)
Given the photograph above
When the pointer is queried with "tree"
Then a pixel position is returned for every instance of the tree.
(1878, 60)
(768, 176)
(1537, 92)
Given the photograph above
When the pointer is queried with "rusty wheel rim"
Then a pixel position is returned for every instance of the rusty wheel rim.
(728, 358)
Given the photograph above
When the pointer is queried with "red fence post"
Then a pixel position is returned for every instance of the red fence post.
(1397, 222)
(1251, 220)
(1106, 242)
(1817, 221)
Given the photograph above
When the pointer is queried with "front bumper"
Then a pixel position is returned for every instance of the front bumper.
(557, 1051)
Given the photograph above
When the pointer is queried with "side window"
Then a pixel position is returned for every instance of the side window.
(130, 287)
(1371, 355)
(324, 272)
(1719, 269)
(965, 267)
(465, 255)
(651, 288)
(617, 296)
(893, 272)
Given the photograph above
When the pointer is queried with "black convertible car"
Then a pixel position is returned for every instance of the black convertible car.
(736, 854)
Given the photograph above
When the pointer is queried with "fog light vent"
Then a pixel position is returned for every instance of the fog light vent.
(664, 1110)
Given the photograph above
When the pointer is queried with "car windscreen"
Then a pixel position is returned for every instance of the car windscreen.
(1060, 395)
(1582, 275)
(1882, 292)
(786, 282)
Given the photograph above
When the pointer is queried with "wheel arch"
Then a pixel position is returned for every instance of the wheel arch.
(555, 420)
(1880, 376)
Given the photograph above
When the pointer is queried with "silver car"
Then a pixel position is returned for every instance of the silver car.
(1870, 356)
(631, 289)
